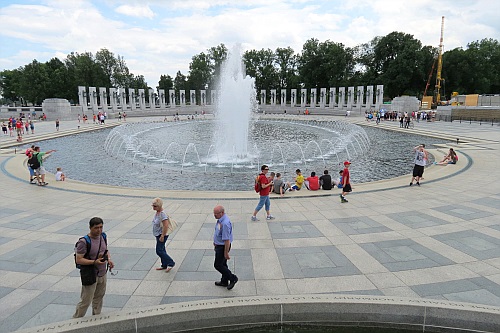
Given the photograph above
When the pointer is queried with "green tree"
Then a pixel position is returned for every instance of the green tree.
(200, 72)
(261, 66)
(34, 82)
(325, 64)
(217, 56)
(10, 85)
(180, 83)
(166, 83)
(401, 64)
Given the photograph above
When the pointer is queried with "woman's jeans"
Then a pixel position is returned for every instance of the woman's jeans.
(162, 252)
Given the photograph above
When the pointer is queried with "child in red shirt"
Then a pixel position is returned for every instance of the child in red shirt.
(346, 182)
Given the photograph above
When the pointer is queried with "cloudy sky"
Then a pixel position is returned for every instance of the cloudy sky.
(158, 37)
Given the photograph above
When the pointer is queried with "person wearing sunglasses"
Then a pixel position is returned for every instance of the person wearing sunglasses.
(265, 188)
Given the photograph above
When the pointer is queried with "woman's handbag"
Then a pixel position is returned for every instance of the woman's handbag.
(88, 275)
(172, 225)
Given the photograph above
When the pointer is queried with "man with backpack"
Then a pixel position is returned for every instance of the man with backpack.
(36, 163)
(93, 259)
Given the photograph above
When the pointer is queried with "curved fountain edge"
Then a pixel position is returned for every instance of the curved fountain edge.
(425, 315)
(15, 168)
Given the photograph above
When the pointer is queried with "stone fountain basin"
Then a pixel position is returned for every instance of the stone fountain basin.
(221, 315)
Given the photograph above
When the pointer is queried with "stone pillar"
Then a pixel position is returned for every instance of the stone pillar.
(152, 99)
(103, 99)
(82, 98)
(303, 98)
(293, 97)
(161, 98)
(203, 96)
(341, 97)
(379, 96)
(273, 97)
(192, 97)
(322, 97)
(171, 97)
(314, 97)
(350, 97)
(283, 97)
(113, 99)
(132, 96)
(123, 99)
(142, 99)
(213, 97)
(93, 99)
(369, 97)
(332, 96)
(182, 97)
(262, 97)
(360, 97)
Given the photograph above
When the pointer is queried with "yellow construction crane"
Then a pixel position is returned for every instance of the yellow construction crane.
(440, 66)
(438, 57)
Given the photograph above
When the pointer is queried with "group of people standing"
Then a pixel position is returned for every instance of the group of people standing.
(92, 254)
(21, 126)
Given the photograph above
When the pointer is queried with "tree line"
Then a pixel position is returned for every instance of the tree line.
(398, 61)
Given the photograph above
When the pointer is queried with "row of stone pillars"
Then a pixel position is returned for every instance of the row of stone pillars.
(333, 98)
(115, 99)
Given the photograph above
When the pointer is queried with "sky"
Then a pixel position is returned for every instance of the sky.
(159, 37)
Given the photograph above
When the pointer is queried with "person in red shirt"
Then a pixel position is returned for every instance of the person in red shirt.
(313, 182)
(265, 188)
(346, 182)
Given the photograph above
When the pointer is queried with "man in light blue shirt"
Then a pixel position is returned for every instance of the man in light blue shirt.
(223, 236)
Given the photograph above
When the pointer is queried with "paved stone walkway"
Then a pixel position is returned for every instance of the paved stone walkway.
(440, 240)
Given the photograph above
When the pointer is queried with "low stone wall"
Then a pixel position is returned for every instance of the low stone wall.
(476, 114)
(222, 315)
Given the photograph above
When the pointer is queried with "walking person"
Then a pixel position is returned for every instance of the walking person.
(93, 258)
(346, 182)
(223, 237)
(265, 188)
(420, 161)
(57, 125)
(160, 227)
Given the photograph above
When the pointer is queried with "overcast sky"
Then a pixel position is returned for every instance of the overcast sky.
(158, 37)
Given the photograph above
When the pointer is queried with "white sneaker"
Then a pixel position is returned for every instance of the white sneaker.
(270, 217)
(254, 218)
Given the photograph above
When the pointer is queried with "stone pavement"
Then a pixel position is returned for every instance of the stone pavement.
(440, 240)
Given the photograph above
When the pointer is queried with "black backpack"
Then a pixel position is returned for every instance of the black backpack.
(33, 161)
(87, 253)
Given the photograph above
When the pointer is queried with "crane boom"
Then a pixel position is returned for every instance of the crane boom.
(440, 64)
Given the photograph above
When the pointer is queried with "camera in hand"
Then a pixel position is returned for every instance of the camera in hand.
(105, 255)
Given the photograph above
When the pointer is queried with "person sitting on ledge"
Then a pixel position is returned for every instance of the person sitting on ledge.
(450, 158)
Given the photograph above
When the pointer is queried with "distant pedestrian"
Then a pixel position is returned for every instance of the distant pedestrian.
(346, 182)
(223, 237)
(32, 127)
(57, 125)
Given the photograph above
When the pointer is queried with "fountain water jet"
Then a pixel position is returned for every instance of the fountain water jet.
(235, 101)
